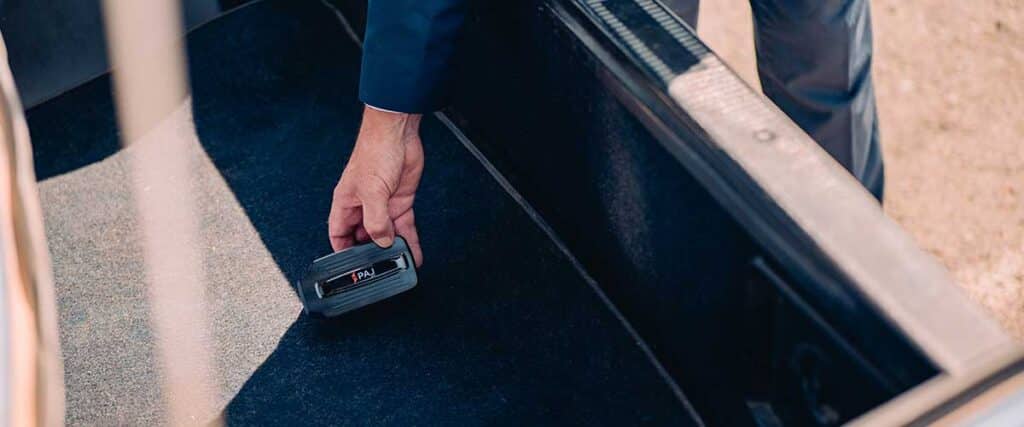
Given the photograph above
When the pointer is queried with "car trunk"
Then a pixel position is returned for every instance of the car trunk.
(578, 270)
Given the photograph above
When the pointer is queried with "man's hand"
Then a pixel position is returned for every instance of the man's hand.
(373, 200)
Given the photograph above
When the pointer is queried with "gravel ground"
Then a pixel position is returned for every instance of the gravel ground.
(950, 84)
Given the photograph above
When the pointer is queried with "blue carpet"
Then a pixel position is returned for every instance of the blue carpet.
(501, 329)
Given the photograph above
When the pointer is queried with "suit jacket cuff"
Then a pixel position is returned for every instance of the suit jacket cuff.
(407, 53)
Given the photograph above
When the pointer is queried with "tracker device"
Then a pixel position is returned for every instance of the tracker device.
(355, 277)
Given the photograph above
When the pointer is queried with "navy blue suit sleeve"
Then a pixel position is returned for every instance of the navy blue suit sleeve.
(407, 53)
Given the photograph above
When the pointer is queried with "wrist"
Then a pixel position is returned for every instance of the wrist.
(390, 126)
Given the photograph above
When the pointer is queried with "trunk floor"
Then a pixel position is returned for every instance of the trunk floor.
(501, 329)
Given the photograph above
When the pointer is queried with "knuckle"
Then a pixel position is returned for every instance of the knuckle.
(406, 220)
(374, 187)
(376, 225)
(378, 231)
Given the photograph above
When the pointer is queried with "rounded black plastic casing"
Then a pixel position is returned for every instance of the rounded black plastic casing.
(367, 291)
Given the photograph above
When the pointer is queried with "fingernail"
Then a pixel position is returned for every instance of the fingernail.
(384, 242)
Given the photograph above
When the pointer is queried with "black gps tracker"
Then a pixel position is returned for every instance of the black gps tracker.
(355, 277)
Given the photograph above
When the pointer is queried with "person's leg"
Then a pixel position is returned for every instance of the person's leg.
(686, 9)
(814, 62)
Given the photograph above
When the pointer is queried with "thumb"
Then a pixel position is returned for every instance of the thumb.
(375, 215)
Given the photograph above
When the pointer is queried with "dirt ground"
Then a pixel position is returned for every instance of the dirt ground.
(949, 79)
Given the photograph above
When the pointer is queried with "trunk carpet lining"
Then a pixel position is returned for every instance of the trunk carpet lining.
(501, 330)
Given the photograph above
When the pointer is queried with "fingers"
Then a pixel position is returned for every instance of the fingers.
(339, 243)
(374, 196)
(361, 235)
(405, 225)
(342, 225)
(360, 215)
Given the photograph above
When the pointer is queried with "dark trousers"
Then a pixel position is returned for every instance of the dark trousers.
(814, 62)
